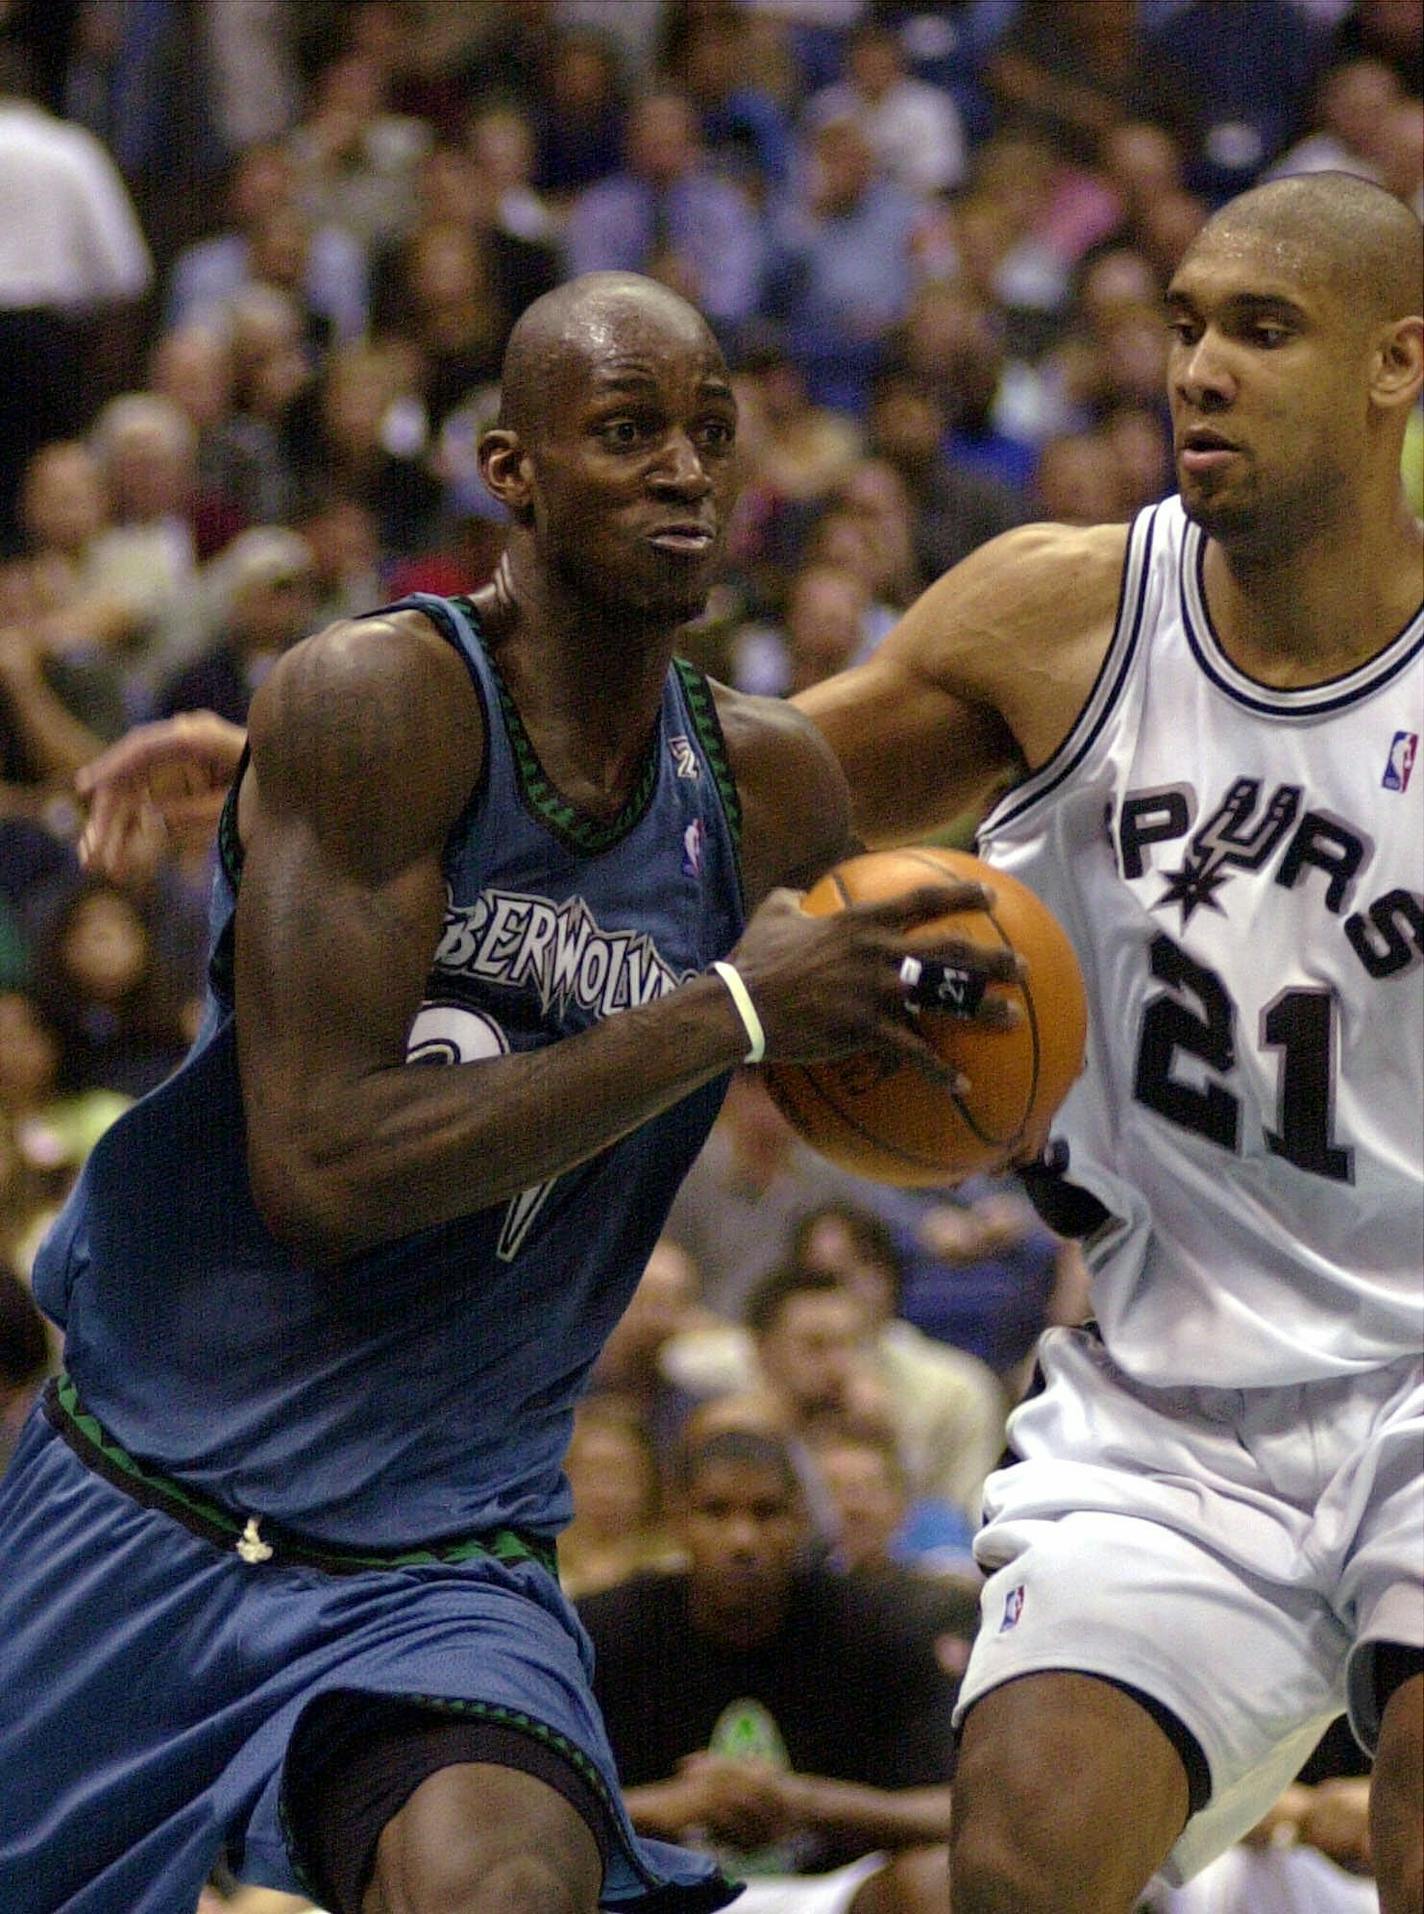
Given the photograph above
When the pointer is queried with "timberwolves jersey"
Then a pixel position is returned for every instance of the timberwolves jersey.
(423, 1389)
(1241, 870)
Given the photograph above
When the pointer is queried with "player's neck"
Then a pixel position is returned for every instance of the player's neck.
(1320, 609)
(587, 693)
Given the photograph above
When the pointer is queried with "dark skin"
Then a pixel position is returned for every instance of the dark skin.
(616, 463)
(742, 1524)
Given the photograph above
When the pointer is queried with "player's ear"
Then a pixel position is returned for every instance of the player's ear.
(1397, 364)
(506, 470)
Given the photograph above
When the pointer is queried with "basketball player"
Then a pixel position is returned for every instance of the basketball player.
(278, 1555)
(1214, 1540)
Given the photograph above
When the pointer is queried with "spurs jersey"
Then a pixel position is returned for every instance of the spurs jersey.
(1241, 870)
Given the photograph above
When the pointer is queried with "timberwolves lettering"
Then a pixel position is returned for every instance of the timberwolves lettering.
(514, 940)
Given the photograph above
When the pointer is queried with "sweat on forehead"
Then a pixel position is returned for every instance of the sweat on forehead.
(1330, 231)
(586, 320)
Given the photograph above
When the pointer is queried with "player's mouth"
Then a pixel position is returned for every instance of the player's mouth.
(689, 538)
(1202, 450)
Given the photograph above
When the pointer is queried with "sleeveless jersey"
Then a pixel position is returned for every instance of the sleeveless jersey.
(1241, 870)
(423, 1389)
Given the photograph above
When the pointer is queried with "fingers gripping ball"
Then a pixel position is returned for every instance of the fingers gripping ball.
(883, 1118)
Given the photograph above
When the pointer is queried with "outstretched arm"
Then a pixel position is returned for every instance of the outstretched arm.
(980, 681)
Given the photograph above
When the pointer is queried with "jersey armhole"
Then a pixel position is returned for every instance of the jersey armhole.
(1107, 685)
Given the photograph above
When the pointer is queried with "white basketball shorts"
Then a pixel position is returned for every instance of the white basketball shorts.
(1233, 1554)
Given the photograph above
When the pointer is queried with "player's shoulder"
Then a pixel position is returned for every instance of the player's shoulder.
(367, 718)
(1009, 583)
(794, 796)
(1045, 591)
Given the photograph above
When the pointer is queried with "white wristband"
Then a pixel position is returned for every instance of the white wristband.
(746, 1010)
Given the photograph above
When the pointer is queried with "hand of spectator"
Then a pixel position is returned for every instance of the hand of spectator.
(738, 1801)
(1333, 1817)
(1336, 1819)
(160, 787)
(19, 658)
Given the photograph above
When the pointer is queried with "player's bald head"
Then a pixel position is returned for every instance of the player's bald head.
(567, 331)
(1332, 232)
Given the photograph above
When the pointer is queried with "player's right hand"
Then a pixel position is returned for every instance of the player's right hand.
(829, 986)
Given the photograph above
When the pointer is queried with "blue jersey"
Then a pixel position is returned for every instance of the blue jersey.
(423, 1389)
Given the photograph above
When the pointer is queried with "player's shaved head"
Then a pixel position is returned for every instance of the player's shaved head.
(568, 328)
(1331, 230)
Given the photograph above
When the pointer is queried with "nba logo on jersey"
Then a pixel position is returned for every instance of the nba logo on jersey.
(1013, 1609)
(1401, 761)
(692, 849)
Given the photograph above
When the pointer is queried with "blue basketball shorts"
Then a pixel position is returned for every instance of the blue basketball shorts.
(151, 1679)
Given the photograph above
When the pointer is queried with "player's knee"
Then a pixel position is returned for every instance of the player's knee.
(472, 1883)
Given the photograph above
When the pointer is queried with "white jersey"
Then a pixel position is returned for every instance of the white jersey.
(1241, 870)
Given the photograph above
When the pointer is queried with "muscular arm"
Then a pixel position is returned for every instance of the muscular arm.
(366, 742)
(365, 745)
(981, 679)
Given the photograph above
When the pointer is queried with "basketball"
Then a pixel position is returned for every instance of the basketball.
(881, 1117)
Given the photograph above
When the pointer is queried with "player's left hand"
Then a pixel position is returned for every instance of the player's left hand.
(160, 788)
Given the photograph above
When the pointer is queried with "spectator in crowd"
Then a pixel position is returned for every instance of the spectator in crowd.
(744, 130)
(753, 1180)
(350, 447)
(264, 591)
(236, 482)
(613, 1477)
(342, 537)
(580, 118)
(629, 1370)
(824, 628)
(1354, 102)
(953, 340)
(983, 1273)
(843, 266)
(208, 274)
(125, 1022)
(947, 1410)
(47, 1131)
(666, 213)
(953, 511)
(502, 148)
(356, 160)
(73, 265)
(145, 563)
(1080, 481)
(504, 273)
(883, 1534)
(765, 1741)
(911, 127)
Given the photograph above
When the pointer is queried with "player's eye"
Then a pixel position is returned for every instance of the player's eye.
(1269, 336)
(718, 434)
(622, 433)
(1185, 331)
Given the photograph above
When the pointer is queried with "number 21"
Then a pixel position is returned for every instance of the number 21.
(1196, 1015)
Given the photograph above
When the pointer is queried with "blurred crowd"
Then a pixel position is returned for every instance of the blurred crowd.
(258, 262)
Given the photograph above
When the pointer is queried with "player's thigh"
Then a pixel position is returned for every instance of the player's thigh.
(1065, 1779)
(476, 1839)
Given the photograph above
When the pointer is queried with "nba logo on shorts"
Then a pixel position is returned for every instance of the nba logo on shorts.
(1401, 761)
(692, 849)
(1013, 1609)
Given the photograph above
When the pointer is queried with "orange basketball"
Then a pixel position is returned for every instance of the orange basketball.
(882, 1118)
